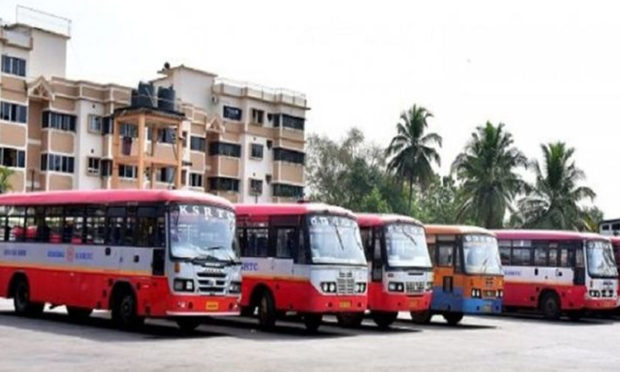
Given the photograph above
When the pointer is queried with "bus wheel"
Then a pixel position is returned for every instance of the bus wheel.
(384, 318)
(247, 311)
(188, 325)
(421, 317)
(575, 316)
(21, 299)
(550, 306)
(312, 322)
(124, 311)
(453, 318)
(78, 313)
(266, 311)
(350, 320)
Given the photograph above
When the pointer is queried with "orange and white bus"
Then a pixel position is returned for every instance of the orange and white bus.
(138, 253)
(468, 277)
(401, 272)
(558, 272)
(304, 258)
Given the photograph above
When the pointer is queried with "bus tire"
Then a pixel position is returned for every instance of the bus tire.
(21, 298)
(78, 313)
(453, 318)
(247, 311)
(384, 319)
(550, 306)
(266, 311)
(312, 321)
(421, 317)
(350, 320)
(124, 310)
(188, 325)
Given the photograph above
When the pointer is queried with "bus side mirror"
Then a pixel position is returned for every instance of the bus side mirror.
(107, 251)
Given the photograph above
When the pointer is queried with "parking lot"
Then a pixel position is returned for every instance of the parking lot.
(53, 342)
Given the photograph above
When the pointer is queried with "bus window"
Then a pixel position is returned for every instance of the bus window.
(432, 252)
(95, 225)
(256, 245)
(53, 222)
(553, 256)
(540, 255)
(15, 224)
(32, 215)
(130, 227)
(3, 228)
(73, 227)
(579, 261)
(366, 234)
(285, 241)
(504, 251)
(445, 255)
(150, 227)
(564, 261)
(521, 256)
(116, 224)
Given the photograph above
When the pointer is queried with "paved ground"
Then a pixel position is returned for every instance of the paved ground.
(53, 343)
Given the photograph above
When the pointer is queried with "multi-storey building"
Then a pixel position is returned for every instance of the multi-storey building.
(237, 140)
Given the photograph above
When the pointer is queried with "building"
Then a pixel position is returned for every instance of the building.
(610, 227)
(238, 140)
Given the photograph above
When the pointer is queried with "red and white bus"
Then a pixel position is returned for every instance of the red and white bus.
(305, 258)
(558, 272)
(615, 243)
(401, 271)
(138, 253)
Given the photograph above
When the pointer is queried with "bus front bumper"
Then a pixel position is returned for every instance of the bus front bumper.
(203, 306)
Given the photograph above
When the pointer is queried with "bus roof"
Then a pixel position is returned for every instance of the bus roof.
(455, 229)
(290, 209)
(615, 240)
(546, 235)
(111, 197)
(378, 219)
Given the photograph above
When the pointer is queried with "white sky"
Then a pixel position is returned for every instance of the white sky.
(549, 70)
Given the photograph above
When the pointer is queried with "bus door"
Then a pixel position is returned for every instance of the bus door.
(443, 251)
(284, 243)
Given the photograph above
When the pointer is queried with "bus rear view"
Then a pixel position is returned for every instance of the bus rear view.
(301, 258)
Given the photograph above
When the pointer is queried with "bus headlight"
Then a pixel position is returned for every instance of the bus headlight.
(183, 285)
(328, 287)
(360, 287)
(235, 287)
(500, 293)
(595, 293)
(476, 293)
(429, 286)
(396, 287)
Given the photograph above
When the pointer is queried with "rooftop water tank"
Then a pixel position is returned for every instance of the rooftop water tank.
(144, 96)
(165, 98)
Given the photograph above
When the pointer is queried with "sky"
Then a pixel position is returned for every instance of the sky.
(549, 70)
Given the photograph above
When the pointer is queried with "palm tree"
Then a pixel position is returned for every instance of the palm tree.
(5, 184)
(554, 201)
(412, 152)
(487, 170)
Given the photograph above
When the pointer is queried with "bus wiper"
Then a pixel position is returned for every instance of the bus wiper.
(202, 259)
(339, 237)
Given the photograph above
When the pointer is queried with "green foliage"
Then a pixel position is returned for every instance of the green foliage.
(554, 201)
(487, 172)
(591, 217)
(412, 151)
(5, 184)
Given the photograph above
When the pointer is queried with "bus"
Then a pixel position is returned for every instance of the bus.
(615, 243)
(400, 268)
(468, 276)
(137, 253)
(558, 272)
(304, 258)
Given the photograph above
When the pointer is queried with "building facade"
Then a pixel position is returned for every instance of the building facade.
(236, 140)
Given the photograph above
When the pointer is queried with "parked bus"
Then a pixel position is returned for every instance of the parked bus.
(468, 277)
(400, 268)
(558, 272)
(305, 258)
(615, 243)
(138, 253)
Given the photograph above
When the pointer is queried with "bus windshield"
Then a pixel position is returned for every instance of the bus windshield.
(406, 246)
(601, 262)
(202, 233)
(481, 255)
(335, 240)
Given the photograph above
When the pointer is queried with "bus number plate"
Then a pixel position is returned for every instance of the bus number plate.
(212, 306)
(487, 308)
(345, 304)
(413, 304)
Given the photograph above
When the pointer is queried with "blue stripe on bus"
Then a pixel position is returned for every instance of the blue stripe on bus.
(455, 302)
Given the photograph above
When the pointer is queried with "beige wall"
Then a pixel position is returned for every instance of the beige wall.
(61, 142)
(60, 182)
(17, 180)
(229, 167)
(63, 104)
(288, 173)
(13, 134)
(198, 161)
(35, 109)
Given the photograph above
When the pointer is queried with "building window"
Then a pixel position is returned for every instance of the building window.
(197, 143)
(226, 149)
(57, 163)
(293, 122)
(223, 184)
(166, 135)
(107, 125)
(127, 171)
(290, 156)
(258, 116)
(232, 113)
(106, 167)
(165, 174)
(195, 180)
(257, 151)
(95, 124)
(128, 130)
(58, 121)
(12, 157)
(13, 112)
(13, 65)
(274, 119)
(94, 166)
(287, 191)
(256, 187)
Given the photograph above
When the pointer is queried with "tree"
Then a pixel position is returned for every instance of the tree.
(412, 151)
(591, 218)
(487, 170)
(5, 175)
(554, 201)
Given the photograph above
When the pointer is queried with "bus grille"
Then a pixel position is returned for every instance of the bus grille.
(345, 283)
(211, 282)
(489, 294)
(414, 287)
